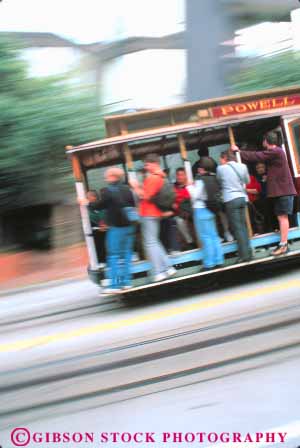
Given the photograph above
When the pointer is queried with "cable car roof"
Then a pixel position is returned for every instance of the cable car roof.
(189, 117)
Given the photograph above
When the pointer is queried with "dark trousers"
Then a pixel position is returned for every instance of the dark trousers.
(265, 206)
(257, 218)
(168, 234)
(236, 213)
(99, 238)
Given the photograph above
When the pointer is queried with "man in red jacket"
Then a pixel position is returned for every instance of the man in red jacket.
(280, 184)
(180, 187)
(151, 216)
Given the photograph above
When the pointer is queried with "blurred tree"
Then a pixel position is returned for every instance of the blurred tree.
(38, 118)
(281, 70)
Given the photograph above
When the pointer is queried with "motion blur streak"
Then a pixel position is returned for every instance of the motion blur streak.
(248, 294)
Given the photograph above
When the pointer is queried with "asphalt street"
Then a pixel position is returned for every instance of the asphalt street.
(224, 359)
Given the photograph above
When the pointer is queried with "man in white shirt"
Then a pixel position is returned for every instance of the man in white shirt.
(233, 176)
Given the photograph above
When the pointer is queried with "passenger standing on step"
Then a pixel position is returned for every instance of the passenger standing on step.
(151, 216)
(204, 217)
(121, 233)
(233, 176)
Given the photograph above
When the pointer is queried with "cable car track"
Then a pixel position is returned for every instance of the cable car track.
(65, 313)
(103, 304)
(126, 371)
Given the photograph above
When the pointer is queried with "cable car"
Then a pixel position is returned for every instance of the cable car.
(176, 133)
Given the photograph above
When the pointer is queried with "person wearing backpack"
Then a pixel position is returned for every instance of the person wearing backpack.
(205, 195)
(156, 201)
(115, 199)
(233, 177)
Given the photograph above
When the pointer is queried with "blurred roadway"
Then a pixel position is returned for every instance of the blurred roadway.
(227, 359)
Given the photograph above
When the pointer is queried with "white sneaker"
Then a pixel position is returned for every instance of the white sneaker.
(110, 291)
(228, 237)
(135, 257)
(105, 282)
(160, 277)
(171, 271)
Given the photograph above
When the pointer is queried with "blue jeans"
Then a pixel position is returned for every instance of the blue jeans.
(119, 247)
(205, 225)
(236, 212)
(154, 249)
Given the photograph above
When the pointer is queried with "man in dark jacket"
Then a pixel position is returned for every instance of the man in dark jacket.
(280, 184)
(120, 233)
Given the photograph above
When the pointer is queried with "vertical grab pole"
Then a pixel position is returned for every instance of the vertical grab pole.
(128, 161)
(239, 159)
(232, 142)
(127, 154)
(183, 153)
(86, 223)
(187, 167)
(186, 162)
(161, 152)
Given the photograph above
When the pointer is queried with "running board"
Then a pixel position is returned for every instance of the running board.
(200, 274)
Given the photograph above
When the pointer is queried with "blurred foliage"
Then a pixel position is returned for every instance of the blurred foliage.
(281, 70)
(38, 118)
